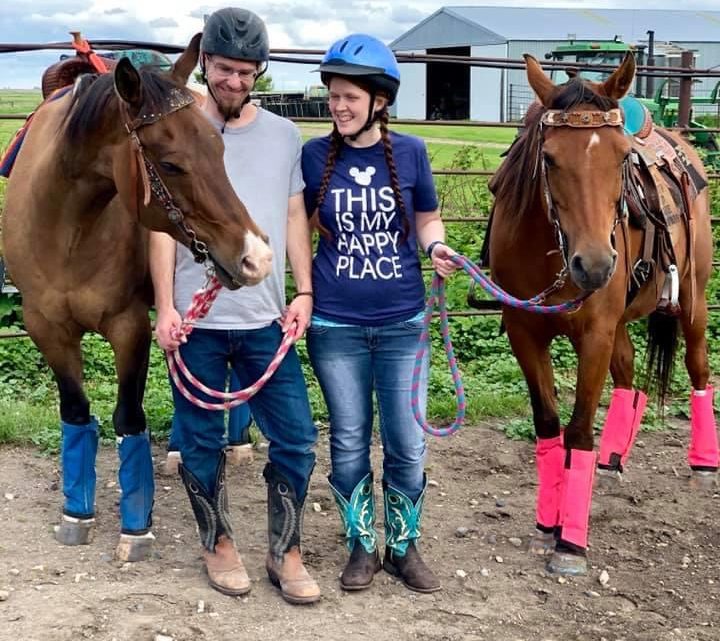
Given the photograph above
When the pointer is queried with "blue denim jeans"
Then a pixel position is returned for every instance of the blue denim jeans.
(352, 362)
(238, 420)
(281, 408)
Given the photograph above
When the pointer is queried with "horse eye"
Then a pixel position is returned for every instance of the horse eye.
(548, 159)
(171, 168)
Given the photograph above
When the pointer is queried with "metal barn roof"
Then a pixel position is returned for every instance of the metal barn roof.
(469, 26)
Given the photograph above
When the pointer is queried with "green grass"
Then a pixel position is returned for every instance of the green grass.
(16, 101)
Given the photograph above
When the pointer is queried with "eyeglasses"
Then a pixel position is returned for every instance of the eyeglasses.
(224, 71)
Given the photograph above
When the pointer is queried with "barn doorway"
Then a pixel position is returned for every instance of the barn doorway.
(448, 86)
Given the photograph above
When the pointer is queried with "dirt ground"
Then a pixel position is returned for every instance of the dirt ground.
(657, 540)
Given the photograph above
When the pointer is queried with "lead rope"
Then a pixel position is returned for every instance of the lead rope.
(200, 305)
(437, 296)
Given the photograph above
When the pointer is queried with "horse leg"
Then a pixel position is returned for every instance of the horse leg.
(129, 335)
(625, 413)
(594, 350)
(60, 345)
(534, 358)
(703, 450)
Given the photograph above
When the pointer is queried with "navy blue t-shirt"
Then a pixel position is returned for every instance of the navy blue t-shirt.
(368, 273)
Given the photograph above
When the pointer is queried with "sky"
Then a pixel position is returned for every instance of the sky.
(311, 24)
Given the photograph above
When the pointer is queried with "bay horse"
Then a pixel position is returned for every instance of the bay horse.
(121, 154)
(560, 205)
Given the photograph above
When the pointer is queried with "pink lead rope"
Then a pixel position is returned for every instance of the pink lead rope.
(200, 305)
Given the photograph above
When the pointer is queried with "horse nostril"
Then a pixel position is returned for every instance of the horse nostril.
(576, 264)
(249, 265)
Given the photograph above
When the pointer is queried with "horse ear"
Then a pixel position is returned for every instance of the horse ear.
(128, 83)
(617, 85)
(185, 64)
(541, 84)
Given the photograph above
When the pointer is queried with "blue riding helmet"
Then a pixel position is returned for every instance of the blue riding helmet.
(362, 56)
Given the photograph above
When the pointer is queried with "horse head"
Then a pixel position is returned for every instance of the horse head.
(170, 172)
(582, 156)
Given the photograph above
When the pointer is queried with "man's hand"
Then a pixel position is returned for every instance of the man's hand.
(167, 330)
(300, 311)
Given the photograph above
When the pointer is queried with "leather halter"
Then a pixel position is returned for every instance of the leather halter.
(152, 183)
(578, 120)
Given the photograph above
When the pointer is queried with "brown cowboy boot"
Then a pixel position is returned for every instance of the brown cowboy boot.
(358, 517)
(402, 529)
(225, 569)
(284, 563)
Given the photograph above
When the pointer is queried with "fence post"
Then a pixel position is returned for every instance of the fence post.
(685, 98)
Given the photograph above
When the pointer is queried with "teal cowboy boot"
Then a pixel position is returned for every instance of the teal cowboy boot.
(402, 530)
(358, 518)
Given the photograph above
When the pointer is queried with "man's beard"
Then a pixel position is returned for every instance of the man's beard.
(229, 108)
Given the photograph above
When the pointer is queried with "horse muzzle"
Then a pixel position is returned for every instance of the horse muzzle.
(592, 272)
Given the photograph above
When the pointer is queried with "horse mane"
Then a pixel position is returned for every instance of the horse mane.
(95, 98)
(516, 181)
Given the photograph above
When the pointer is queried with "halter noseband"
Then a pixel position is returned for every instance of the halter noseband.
(153, 184)
(577, 120)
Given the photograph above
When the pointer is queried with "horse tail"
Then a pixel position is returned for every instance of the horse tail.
(663, 331)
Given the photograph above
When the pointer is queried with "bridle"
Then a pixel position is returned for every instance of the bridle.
(153, 184)
(577, 120)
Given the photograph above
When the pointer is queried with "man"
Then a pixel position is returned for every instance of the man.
(245, 327)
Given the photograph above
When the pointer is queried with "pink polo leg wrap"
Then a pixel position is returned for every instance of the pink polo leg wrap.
(550, 459)
(703, 451)
(577, 488)
(622, 424)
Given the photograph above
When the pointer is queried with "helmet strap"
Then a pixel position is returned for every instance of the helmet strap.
(371, 118)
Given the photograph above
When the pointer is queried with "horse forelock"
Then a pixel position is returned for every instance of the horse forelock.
(516, 182)
(95, 105)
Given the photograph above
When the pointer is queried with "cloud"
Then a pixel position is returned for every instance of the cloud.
(163, 23)
(404, 15)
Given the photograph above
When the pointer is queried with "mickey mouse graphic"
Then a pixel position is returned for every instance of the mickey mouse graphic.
(362, 178)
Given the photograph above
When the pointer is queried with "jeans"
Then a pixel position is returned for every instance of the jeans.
(281, 408)
(352, 362)
(239, 419)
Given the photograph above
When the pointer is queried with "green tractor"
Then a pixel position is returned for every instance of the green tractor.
(664, 103)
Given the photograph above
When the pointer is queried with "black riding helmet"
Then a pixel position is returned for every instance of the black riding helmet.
(236, 33)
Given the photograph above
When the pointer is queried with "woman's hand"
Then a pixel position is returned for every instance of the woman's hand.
(441, 259)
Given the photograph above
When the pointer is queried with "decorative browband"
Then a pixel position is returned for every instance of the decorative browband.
(587, 119)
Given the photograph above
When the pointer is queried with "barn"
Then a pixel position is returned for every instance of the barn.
(452, 91)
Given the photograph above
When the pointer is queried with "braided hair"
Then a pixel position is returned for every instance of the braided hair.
(384, 118)
(336, 142)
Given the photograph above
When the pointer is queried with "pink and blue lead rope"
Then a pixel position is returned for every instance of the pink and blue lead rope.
(437, 296)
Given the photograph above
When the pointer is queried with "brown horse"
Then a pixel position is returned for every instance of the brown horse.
(560, 205)
(121, 154)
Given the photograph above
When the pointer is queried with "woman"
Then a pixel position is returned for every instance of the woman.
(374, 201)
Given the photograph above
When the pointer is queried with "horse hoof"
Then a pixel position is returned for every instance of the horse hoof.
(133, 548)
(541, 543)
(607, 479)
(239, 454)
(172, 462)
(73, 531)
(567, 564)
(703, 479)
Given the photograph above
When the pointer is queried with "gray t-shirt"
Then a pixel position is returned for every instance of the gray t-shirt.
(262, 160)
